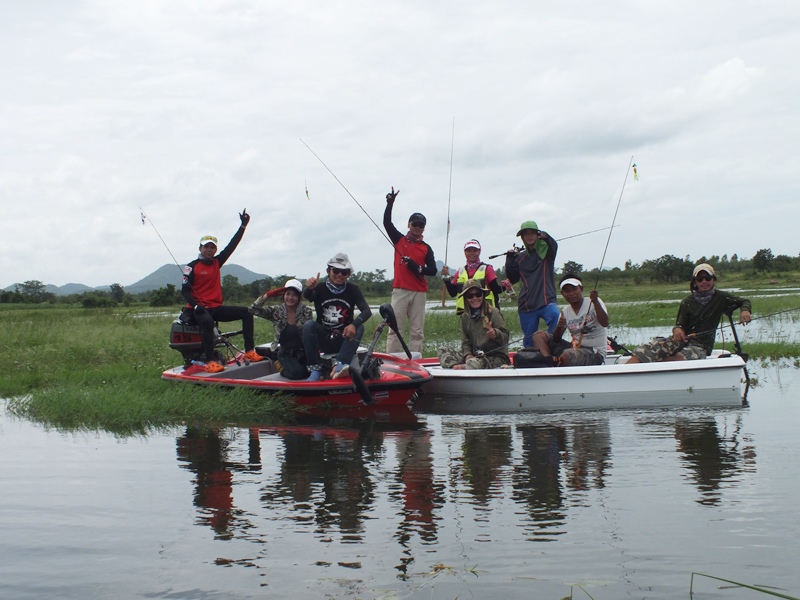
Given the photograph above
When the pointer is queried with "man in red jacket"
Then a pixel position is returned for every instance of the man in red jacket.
(413, 260)
(202, 288)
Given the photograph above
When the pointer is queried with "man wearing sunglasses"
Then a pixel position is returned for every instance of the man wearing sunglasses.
(336, 328)
(696, 325)
(413, 260)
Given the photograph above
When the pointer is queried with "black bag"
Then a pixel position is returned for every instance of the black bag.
(528, 358)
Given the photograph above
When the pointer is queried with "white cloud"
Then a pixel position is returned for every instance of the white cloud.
(195, 111)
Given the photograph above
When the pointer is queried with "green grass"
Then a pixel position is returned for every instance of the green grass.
(101, 368)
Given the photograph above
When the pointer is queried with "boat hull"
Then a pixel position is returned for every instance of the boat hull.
(711, 382)
(393, 392)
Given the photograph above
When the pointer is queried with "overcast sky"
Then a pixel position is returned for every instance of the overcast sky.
(194, 110)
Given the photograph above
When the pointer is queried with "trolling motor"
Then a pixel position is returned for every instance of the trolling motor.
(368, 364)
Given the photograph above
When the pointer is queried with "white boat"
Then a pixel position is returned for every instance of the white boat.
(716, 381)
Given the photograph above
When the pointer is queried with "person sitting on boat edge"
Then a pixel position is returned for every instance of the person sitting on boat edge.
(474, 269)
(586, 319)
(336, 328)
(484, 336)
(413, 260)
(696, 324)
(287, 319)
(535, 267)
(202, 289)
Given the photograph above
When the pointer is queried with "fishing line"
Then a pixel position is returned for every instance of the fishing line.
(351, 195)
(146, 218)
(612, 223)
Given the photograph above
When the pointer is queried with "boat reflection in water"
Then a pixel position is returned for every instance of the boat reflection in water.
(321, 491)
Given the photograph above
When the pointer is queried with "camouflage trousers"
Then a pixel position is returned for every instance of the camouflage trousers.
(663, 347)
(449, 357)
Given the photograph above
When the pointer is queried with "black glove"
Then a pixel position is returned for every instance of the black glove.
(245, 218)
(391, 196)
(199, 310)
(413, 265)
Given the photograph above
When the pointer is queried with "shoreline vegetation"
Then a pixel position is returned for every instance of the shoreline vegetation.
(74, 368)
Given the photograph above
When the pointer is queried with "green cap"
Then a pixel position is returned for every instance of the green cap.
(527, 225)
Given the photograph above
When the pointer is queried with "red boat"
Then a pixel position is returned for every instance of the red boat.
(379, 385)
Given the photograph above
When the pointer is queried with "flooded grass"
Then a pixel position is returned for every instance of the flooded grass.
(70, 367)
(102, 369)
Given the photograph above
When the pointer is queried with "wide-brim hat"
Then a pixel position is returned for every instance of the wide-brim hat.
(473, 283)
(341, 261)
(527, 225)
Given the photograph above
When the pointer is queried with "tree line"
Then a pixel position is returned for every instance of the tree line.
(666, 269)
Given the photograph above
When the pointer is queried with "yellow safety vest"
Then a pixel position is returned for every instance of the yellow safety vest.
(480, 276)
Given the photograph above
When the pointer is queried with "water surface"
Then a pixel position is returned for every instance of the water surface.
(622, 503)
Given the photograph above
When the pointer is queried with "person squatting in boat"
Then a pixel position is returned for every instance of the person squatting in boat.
(484, 336)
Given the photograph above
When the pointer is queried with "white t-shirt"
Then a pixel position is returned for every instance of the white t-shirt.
(594, 334)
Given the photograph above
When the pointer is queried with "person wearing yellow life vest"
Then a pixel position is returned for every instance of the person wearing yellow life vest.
(474, 269)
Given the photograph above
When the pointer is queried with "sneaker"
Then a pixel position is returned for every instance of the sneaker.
(315, 376)
(340, 371)
(213, 366)
(252, 356)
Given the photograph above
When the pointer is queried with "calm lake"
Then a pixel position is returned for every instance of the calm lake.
(624, 504)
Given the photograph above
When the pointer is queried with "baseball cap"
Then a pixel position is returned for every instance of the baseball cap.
(208, 239)
(340, 261)
(703, 267)
(472, 244)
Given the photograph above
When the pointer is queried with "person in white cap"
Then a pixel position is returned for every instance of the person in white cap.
(696, 324)
(202, 289)
(337, 328)
(586, 319)
(287, 319)
(474, 269)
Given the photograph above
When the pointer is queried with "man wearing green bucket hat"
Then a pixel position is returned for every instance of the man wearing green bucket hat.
(535, 267)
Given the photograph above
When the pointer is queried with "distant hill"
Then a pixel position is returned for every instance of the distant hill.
(169, 273)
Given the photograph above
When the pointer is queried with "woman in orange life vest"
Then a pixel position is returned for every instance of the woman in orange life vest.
(474, 269)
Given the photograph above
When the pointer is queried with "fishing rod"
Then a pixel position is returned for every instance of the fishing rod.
(383, 233)
(614, 220)
(449, 190)
(569, 237)
(146, 218)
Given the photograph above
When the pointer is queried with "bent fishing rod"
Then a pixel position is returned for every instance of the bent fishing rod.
(449, 191)
(383, 233)
(392, 193)
(614, 220)
(569, 237)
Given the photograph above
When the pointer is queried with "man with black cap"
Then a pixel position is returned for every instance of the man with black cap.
(535, 267)
(413, 260)
(696, 324)
(202, 289)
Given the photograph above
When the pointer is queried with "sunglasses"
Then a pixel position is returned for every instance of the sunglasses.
(336, 271)
(704, 278)
(419, 224)
(472, 295)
